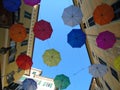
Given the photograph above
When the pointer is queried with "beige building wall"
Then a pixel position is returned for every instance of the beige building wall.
(111, 81)
(27, 16)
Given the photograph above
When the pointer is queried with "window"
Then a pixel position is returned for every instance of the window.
(47, 84)
(107, 86)
(20, 87)
(116, 8)
(93, 54)
(91, 21)
(17, 16)
(12, 52)
(10, 77)
(25, 42)
(27, 30)
(114, 73)
(13, 86)
(101, 61)
(24, 52)
(98, 83)
(84, 25)
(27, 15)
(34, 73)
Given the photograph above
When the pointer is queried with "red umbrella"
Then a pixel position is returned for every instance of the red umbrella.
(42, 30)
(24, 61)
(105, 40)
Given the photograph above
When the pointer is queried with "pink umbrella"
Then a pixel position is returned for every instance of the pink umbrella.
(105, 40)
(31, 2)
(42, 30)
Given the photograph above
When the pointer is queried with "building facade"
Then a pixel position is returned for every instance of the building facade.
(27, 16)
(111, 80)
(43, 83)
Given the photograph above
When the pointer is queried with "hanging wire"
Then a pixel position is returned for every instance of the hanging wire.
(76, 73)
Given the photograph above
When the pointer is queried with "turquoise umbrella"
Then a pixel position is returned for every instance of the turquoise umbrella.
(61, 81)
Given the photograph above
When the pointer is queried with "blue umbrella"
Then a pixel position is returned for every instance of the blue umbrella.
(11, 5)
(76, 38)
(29, 84)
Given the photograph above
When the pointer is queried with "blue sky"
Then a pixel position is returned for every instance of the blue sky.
(74, 61)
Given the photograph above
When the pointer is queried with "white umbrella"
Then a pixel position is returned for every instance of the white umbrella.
(72, 15)
(98, 70)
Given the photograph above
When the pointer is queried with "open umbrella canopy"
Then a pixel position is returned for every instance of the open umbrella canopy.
(72, 15)
(29, 84)
(11, 5)
(42, 30)
(98, 70)
(105, 40)
(31, 2)
(61, 81)
(51, 57)
(17, 32)
(103, 14)
(117, 63)
(24, 62)
(76, 38)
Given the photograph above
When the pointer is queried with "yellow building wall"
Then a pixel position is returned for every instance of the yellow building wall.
(108, 56)
(6, 67)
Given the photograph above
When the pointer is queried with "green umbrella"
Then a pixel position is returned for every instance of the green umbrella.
(51, 57)
(61, 81)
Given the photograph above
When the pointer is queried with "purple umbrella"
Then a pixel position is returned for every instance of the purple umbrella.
(31, 2)
(105, 40)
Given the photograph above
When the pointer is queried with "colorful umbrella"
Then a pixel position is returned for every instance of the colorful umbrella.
(61, 81)
(76, 38)
(103, 14)
(72, 15)
(117, 63)
(29, 84)
(24, 62)
(51, 57)
(31, 2)
(11, 5)
(17, 32)
(98, 70)
(105, 40)
(42, 30)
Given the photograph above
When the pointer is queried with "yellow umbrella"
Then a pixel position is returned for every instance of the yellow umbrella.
(117, 63)
(51, 57)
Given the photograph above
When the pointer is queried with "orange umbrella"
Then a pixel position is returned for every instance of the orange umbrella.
(17, 32)
(103, 14)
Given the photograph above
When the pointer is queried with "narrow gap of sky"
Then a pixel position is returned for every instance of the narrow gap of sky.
(74, 61)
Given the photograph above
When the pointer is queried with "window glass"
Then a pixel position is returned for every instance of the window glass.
(91, 21)
(27, 15)
(114, 73)
(25, 42)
